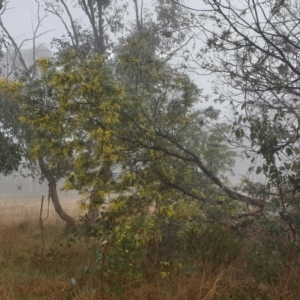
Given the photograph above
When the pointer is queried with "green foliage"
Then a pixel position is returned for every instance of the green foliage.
(134, 245)
(11, 142)
(21, 101)
(269, 257)
(10, 155)
(86, 122)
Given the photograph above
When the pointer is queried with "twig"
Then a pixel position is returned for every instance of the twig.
(41, 211)
(41, 222)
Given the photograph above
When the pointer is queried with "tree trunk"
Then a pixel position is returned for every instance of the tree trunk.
(53, 194)
(100, 42)
(56, 203)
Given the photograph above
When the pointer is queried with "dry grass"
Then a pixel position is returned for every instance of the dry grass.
(17, 210)
(31, 269)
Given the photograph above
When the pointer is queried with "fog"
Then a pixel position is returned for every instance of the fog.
(15, 186)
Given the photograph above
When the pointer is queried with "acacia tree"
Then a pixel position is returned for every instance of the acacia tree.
(28, 139)
(34, 142)
(138, 53)
(154, 98)
(85, 41)
(104, 20)
(133, 128)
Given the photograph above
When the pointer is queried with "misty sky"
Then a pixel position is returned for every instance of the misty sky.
(20, 21)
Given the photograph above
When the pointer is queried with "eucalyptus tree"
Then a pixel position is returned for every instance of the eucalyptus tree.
(104, 19)
(253, 48)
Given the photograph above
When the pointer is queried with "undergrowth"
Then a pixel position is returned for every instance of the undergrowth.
(178, 261)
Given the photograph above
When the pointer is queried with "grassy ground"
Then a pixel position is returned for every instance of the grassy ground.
(41, 264)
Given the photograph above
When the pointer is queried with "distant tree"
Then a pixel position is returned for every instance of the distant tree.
(10, 155)
(21, 70)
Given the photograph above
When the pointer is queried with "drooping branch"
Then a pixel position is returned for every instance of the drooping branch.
(254, 49)
(189, 156)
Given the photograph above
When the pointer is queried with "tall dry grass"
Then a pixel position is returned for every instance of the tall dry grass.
(39, 263)
(35, 261)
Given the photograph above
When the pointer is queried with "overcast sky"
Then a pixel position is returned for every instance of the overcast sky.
(20, 19)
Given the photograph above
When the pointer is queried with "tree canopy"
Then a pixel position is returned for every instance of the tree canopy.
(120, 117)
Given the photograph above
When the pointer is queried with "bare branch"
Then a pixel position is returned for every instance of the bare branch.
(56, 13)
(16, 47)
(72, 22)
